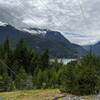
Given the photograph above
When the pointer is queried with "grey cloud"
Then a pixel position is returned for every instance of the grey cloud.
(64, 16)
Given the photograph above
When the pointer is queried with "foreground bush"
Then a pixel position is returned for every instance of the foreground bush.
(83, 78)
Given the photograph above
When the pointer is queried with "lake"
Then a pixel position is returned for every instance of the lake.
(64, 60)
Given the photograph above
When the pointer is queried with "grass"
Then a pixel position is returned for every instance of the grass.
(43, 94)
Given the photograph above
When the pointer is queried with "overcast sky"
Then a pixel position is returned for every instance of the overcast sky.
(78, 20)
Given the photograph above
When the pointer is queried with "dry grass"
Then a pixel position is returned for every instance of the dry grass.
(43, 94)
(47, 94)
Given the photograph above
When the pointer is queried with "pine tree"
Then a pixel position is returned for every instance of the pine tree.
(3, 67)
(7, 82)
(21, 79)
(8, 55)
(21, 54)
(35, 64)
(68, 79)
(45, 60)
(2, 53)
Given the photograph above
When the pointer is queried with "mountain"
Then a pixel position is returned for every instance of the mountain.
(57, 44)
(87, 47)
(96, 48)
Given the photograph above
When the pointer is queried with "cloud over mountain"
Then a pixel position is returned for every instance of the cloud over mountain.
(72, 16)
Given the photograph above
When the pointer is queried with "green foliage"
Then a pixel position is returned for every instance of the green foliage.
(68, 79)
(24, 68)
(21, 76)
(45, 60)
(3, 67)
(21, 55)
(23, 80)
(83, 78)
(6, 83)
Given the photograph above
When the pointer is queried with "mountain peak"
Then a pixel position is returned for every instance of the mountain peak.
(54, 41)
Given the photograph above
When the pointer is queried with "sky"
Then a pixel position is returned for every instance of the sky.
(77, 20)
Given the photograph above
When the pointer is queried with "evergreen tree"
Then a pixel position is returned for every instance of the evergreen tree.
(37, 80)
(3, 67)
(2, 86)
(21, 79)
(81, 78)
(35, 64)
(21, 54)
(6, 46)
(2, 53)
(45, 60)
(68, 79)
(7, 82)
(8, 55)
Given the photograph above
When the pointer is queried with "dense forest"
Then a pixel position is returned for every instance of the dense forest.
(24, 68)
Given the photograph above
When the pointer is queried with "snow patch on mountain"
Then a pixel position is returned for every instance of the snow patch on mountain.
(35, 31)
(3, 24)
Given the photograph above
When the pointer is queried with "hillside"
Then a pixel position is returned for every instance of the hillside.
(57, 44)
(94, 48)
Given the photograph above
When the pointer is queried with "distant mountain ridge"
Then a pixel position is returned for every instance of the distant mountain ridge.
(94, 48)
(57, 44)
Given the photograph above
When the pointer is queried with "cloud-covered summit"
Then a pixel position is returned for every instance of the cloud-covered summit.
(73, 16)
